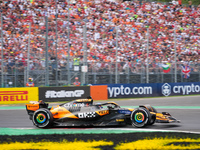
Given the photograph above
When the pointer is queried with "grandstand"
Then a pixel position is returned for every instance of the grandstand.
(114, 46)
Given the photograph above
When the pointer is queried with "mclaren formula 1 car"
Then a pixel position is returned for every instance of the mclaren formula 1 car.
(82, 112)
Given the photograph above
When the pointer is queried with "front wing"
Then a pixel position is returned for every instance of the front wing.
(165, 117)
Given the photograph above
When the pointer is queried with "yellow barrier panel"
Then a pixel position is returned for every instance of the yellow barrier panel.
(18, 95)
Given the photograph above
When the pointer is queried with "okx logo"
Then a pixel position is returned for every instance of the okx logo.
(166, 89)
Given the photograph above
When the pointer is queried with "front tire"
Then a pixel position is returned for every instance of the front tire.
(140, 117)
(153, 119)
(153, 116)
(42, 118)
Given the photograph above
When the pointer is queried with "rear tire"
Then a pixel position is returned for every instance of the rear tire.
(140, 117)
(42, 118)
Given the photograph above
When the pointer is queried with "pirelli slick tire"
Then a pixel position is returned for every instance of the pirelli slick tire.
(150, 108)
(42, 118)
(140, 117)
(153, 116)
(152, 120)
(154, 110)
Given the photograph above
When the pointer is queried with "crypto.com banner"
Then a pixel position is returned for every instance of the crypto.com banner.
(188, 88)
(152, 89)
(131, 90)
(53, 94)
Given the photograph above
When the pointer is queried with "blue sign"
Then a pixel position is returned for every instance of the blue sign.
(152, 89)
(169, 89)
(131, 90)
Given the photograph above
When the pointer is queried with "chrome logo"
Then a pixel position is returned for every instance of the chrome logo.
(41, 118)
(139, 117)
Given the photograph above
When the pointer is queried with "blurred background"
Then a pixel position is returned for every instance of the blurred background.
(99, 41)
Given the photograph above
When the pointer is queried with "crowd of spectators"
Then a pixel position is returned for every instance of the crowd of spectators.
(112, 26)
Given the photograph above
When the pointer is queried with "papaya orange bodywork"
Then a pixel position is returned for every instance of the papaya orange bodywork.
(160, 116)
(102, 112)
(32, 107)
(61, 112)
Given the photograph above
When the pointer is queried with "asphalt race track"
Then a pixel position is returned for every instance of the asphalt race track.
(186, 109)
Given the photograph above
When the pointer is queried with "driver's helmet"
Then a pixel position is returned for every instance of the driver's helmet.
(99, 105)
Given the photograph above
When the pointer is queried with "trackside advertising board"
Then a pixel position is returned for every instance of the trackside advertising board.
(151, 90)
(99, 92)
(18, 95)
(52, 94)
(188, 88)
(131, 90)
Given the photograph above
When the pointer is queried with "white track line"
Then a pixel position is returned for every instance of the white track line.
(125, 129)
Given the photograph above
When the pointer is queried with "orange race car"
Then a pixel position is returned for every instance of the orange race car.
(82, 112)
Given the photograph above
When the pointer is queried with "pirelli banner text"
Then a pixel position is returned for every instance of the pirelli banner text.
(52, 94)
(18, 95)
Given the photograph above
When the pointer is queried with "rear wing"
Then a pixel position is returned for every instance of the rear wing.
(34, 105)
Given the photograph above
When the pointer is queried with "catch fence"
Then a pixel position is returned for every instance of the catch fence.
(101, 73)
